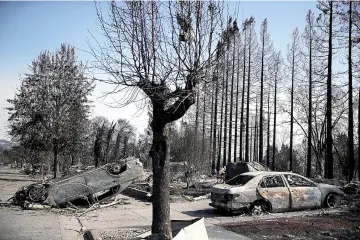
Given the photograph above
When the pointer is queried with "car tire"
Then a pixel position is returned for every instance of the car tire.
(259, 208)
(37, 193)
(331, 200)
(116, 168)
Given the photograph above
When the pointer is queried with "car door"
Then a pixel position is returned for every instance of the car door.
(275, 191)
(304, 193)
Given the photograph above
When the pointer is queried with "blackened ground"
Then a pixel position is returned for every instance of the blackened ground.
(340, 225)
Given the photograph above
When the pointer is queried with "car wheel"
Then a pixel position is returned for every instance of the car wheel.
(331, 200)
(37, 193)
(116, 168)
(259, 208)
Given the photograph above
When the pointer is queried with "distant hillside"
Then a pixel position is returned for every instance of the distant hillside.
(4, 145)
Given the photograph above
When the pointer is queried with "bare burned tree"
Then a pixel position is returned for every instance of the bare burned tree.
(249, 23)
(308, 37)
(325, 23)
(276, 79)
(293, 59)
(158, 51)
(265, 51)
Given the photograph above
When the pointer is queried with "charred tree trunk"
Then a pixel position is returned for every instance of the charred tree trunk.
(98, 145)
(351, 118)
(108, 141)
(292, 110)
(251, 140)
(160, 155)
(268, 133)
(261, 125)
(241, 150)
(212, 126)
(56, 153)
(308, 161)
(248, 104)
(237, 106)
(329, 139)
(197, 112)
(274, 130)
(221, 125)
(256, 132)
(213, 165)
(231, 101)
(226, 107)
(203, 122)
(125, 147)
(359, 136)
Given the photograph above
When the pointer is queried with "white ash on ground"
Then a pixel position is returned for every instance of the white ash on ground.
(122, 234)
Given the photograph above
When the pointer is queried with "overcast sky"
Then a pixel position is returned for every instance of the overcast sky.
(27, 28)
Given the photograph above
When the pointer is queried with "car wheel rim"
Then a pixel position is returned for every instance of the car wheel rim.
(257, 210)
(332, 201)
(37, 193)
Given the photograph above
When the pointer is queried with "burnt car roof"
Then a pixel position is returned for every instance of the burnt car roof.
(257, 173)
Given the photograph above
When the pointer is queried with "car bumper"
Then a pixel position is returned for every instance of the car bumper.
(230, 206)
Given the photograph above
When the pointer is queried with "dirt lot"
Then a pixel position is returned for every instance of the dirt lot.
(330, 224)
(340, 225)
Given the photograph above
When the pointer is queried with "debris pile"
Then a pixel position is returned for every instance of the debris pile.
(122, 234)
(234, 169)
(352, 188)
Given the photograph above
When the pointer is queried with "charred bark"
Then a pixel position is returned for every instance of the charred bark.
(268, 133)
(211, 127)
(248, 104)
(160, 155)
(261, 125)
(213, 165)
(351, 114)
(241, 150)
(274, 130)
(329, 140)
(98, 145)
(256, 156)
(237, 106)
(308, 161)
(221, 126)
(56, 153)
(231, 101)
(226, 108)
(292, 110)
(359, 136)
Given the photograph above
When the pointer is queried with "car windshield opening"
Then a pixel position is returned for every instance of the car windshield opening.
(240, 180)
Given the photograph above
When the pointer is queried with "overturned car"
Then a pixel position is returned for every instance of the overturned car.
(91, 185)
(264, 191)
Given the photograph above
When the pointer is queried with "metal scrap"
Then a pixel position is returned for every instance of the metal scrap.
(92, 185)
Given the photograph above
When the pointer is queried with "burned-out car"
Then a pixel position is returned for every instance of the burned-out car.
(90, 185)
(273, 191)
